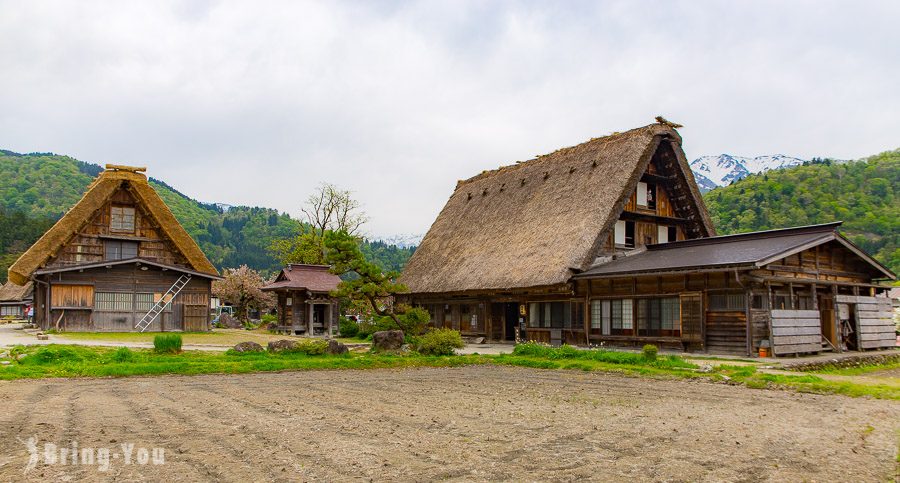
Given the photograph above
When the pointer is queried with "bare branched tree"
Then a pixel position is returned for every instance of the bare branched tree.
(331, 208)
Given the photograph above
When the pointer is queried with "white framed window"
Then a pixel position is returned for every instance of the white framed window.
(662, 234)
(620, 232)
(642, 194)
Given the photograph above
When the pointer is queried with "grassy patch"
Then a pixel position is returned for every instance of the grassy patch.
(222, 337)
(83, 361)
(859, 370)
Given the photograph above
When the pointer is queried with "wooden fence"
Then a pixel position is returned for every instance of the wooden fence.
(874, 320)
(795, 332)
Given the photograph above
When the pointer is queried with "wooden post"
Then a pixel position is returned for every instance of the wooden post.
(791, 296)
(330, 316)
(310, 330)
(587, 313)
(837, 323)
(748, 300)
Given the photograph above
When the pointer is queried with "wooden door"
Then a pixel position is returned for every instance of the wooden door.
(692, 320)
(195, 312)
(826, 319)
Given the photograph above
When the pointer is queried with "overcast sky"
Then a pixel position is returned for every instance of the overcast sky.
(257, 102)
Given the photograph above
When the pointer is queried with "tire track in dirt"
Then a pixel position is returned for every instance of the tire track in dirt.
(137, 412)
(222, 438)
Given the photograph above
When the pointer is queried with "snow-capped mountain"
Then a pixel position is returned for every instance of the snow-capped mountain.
(402, 241)
(714, 171)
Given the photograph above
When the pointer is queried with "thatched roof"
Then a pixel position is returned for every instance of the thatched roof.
(97, 194)
(538, 222)
(11, 292)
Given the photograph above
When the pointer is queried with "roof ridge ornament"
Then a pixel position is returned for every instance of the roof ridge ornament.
(122, 167)
(666, 122)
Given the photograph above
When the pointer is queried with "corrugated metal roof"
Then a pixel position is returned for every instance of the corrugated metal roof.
(315, 278)
(718, 252)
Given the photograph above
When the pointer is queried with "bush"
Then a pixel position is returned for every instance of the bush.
(310, 347)
(414, 320)
(269, 319)
(348, 327)
(650, 351)
(377, 324)
(439, 342)
(167, 343)
(543, 351)
(122, 354)
(53, 355)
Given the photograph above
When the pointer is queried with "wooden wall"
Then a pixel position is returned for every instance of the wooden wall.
(796, 332)
(87, 245)
(874, 321)
(72, 300)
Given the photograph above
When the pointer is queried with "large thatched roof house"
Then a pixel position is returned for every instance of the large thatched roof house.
(118, 261)
(512, 253)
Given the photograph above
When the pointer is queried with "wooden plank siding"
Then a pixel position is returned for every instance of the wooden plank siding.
(874, 315)
(796, 331)
(113, 300)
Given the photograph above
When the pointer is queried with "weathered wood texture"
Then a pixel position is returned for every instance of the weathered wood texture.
(114, 299)
(87, 245)
(726, 332)
(796, 332)
(875, 320)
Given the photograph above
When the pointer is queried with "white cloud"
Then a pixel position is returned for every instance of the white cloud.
(258, 102)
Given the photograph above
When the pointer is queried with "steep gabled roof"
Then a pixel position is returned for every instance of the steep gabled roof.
(11, 292)
(315, 278)
(745, 250)
(537, 222)
(97, 194)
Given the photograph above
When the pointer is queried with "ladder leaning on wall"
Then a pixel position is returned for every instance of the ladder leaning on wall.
(163, 302)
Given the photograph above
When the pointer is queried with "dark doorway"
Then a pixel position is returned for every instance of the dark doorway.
(511, 316)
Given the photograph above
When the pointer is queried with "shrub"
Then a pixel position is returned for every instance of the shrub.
(377, 324)
(348, 327)
(650, 351)
(414, 321)
(269, 319)
(53, 355)
(167, 343)
(544, 351)
(439, 342)
(122, 354)
(311, 347)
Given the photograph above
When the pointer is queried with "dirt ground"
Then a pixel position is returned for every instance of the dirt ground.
(472, 423)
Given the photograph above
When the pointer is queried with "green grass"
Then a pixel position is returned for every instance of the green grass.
(167, 343)
(83, 361)
(859, 370)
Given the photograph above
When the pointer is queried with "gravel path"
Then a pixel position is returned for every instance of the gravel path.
(472, 423)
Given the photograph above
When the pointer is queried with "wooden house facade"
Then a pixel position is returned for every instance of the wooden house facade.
(545, 250)
(304, 303)
(118, 261)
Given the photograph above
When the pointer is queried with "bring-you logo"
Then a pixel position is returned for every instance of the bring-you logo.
(100, 458)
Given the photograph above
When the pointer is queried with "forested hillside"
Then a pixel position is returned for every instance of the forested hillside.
(36, 189)
(864, 194)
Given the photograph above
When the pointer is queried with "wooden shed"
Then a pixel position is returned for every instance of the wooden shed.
(118, 261)
(305, 305)
(536, 250)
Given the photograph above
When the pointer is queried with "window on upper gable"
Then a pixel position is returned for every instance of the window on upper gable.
(121, 219)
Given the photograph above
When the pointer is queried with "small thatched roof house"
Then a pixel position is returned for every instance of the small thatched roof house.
(610, 242)
(15, 298)
(538, 222)
(118, 260)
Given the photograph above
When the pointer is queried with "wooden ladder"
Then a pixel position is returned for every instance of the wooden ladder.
(163, 302)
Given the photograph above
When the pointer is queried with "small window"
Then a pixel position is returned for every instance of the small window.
(759, 301)
(727, 302)
(642, 194)
(120, 250)
(629, 234)
(113, 301)
(121, 219)
(651, 196)
(673, 234)
(624, 234)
